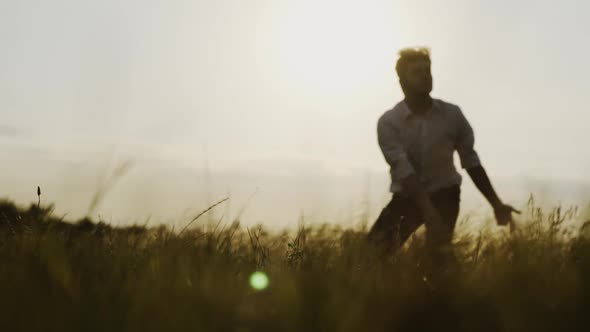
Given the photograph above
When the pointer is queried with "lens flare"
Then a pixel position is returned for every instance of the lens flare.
(258, 280)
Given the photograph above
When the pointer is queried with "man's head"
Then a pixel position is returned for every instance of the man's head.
(413, 70)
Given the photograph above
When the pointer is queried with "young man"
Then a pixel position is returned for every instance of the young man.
(418, 138)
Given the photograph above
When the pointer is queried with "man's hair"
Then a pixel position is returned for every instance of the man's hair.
(409, 55)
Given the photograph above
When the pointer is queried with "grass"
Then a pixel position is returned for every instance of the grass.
(87, 276)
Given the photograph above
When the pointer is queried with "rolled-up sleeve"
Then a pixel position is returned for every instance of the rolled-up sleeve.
(393, 150)
(465, 143)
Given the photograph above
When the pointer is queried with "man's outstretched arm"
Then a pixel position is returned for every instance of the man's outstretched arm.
(482, 182)
(470, 162)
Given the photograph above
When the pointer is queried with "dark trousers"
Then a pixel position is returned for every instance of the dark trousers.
(401, 217)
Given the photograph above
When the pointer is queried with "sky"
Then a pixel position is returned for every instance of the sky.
(274, 103)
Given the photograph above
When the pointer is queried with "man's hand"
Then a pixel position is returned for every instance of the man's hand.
(503, 214)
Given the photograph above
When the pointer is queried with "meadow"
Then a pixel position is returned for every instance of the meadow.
(85, 275)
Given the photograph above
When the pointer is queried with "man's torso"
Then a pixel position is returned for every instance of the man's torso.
(429, 141)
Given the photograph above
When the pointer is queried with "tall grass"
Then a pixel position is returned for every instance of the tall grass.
(86, 276)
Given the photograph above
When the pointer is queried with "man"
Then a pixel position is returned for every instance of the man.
(418, 138)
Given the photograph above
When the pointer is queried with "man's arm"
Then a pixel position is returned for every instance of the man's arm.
(482, 182)
(470, 162)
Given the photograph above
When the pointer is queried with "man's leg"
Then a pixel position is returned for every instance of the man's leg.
(386, 227)
(397, 221)
(401, 217)
(439, 237)
(411, 221)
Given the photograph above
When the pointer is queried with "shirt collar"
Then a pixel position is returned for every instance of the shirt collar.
(407, 113)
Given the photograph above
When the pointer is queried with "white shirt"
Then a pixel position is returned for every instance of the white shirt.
(424, 144)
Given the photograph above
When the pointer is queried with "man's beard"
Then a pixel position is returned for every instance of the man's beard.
(419, 94)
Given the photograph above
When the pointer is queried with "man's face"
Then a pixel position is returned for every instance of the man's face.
(418, 79)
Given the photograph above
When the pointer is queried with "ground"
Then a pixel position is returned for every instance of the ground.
(87, 276)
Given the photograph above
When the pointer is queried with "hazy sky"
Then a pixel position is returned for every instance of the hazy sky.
(215, 97)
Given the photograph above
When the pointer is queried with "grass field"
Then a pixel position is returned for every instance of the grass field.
(86, 276)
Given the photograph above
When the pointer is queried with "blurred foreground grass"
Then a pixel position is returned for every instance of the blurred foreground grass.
(85, 276)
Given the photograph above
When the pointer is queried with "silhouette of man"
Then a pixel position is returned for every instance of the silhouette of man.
(418, 138)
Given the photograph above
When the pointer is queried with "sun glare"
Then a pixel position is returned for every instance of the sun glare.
(333, 45)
